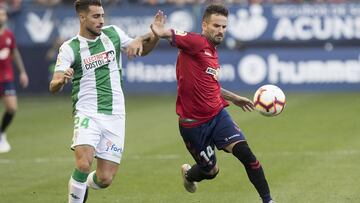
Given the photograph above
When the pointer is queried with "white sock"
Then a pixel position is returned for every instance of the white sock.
(76, 191)
(90, 181)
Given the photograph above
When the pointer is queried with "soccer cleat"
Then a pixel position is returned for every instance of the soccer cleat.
(271, 201)
(86, 194)
(189, 185)
(4, 144)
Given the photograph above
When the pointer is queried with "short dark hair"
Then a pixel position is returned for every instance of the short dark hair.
(83, 5)
(215, 9)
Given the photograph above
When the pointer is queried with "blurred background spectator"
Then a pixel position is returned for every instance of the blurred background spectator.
(14, 6)
(48, 3)
(11, 6)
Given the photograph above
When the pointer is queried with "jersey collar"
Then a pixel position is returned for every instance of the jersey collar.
(89, 40)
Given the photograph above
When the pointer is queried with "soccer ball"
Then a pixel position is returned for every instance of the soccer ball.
(269, 100)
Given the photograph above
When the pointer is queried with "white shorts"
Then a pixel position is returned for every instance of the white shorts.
(106, 133)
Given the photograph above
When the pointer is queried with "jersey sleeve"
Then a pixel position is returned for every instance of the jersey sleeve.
(124, 38)
(187, 41)
(65, 58)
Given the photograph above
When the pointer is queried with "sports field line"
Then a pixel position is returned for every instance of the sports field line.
(40, 160)
(71, 159)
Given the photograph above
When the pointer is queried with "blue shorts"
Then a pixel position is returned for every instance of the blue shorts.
(7, 89)
(201, 141)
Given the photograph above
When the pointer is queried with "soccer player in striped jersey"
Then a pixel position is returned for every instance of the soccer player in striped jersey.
(203, 121)
(92, 61)
(9, 53)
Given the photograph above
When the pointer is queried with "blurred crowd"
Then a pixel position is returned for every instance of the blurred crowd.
(11, 5)
(15, 5)
(244, 2)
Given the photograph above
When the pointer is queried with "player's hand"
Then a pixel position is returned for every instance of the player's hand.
(157, 27)
(24, 80)
(68, 75)
(243, 102)
(135, 48)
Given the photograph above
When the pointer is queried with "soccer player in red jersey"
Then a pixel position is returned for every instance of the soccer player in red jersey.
(8, 54)
(203, 121)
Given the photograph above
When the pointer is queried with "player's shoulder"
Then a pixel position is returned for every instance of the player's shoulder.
(184, 33)
(199, 36)
(106, 27)
(112, 28)
(67, 42)
(70, 44)
(8, 32)
(191, 35)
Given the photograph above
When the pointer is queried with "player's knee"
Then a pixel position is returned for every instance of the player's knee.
(11, 111)
(11, 107)
(212, 174)
(243, 152)
(84, 165)
(104, 180)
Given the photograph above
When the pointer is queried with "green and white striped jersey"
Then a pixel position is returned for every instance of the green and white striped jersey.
(96, 85)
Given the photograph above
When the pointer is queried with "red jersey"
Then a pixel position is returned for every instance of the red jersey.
(7, 45)
(199, 92)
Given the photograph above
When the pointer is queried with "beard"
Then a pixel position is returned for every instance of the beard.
(216, 40)
(93, 32)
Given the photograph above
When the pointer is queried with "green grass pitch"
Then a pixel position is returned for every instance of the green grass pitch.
(310, 153)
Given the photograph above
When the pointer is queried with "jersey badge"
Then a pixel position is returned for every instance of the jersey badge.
(180, 33)
(213, 72)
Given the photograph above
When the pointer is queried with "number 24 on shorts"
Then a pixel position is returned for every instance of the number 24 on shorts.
(81, 122)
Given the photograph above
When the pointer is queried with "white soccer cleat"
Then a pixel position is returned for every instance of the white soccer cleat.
(189, 186)
(271, 201)
(4, 144)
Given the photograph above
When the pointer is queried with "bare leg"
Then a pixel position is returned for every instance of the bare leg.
(84, 156)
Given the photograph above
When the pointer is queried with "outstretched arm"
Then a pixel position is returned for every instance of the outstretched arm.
(23, 77)
(243, 102)
(158, 27)
(143, 45)
(149, 43)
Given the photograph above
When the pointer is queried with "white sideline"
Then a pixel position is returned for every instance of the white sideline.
(177, 156)
(71, 159)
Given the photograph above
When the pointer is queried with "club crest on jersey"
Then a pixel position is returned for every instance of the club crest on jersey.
(8, 41)
(98, 60)
(213, 72)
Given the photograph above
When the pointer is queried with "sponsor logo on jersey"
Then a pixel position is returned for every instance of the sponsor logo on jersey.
(213, 71)
(74, 196)
(231, 137)
(111, 147)
(208, 53)
(98, 60)
(4, 53)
